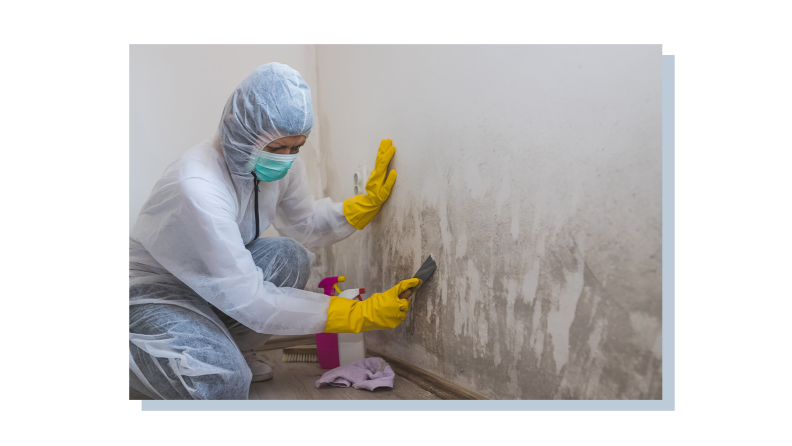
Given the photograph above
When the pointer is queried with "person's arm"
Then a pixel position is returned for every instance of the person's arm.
(192, 233)
(320, 223)
(314, 223)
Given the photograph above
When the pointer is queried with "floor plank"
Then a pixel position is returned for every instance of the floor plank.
(297, 381)
(252, 394)
(135, 395)
(407, 390)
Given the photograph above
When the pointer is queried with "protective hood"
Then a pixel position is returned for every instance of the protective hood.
(272, 102)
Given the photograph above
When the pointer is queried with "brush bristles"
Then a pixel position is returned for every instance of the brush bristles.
(300, 357)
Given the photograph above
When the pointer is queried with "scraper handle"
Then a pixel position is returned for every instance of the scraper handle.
(406, 293)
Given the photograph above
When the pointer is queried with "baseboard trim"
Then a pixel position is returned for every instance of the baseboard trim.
(442, 388)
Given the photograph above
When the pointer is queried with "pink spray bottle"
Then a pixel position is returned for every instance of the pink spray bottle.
(327, 344)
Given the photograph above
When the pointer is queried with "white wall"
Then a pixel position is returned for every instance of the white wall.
(532, 175)
(177, 94)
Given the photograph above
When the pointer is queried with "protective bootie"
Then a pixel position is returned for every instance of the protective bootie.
(261, 371)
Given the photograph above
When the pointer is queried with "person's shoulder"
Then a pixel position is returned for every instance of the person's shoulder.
(199, 172)
(201, 156)
(201, 161)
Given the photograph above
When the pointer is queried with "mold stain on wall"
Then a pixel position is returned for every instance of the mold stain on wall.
(539, 200)
(514, 310)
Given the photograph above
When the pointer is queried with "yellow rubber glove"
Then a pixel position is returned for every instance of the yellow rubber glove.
(360, 209)
(378, 312)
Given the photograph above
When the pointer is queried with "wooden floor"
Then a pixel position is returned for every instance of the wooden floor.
(297, 381)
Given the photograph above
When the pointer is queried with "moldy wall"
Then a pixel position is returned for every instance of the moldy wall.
(532, 174)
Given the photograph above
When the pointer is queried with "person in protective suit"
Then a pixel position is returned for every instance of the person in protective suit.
(204, 290)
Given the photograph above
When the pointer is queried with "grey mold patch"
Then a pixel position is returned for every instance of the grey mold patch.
(522, 319)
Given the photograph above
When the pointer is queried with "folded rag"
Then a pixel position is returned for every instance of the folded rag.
(368, 373)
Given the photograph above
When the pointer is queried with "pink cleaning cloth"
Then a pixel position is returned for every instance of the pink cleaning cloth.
(368, 373)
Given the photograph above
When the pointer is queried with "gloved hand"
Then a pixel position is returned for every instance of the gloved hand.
(378, 312)
(360, 209)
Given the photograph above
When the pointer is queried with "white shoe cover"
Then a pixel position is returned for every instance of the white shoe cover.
(261, 371)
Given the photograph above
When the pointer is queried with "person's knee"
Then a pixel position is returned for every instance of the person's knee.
(236, 382)
(285, 261)
(300, 256)
(230, 381)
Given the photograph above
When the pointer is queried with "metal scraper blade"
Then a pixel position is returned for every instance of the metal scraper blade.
(426, 270)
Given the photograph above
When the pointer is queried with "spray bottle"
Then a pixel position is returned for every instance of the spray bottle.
(336, 349)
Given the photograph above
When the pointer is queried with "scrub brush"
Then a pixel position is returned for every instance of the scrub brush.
(300, 353)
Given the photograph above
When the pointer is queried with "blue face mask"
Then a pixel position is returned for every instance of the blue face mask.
(272, 167)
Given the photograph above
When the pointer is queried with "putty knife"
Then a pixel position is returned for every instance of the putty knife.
(424, 272)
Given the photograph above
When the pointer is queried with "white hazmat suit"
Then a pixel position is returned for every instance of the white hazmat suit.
(187, 247)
